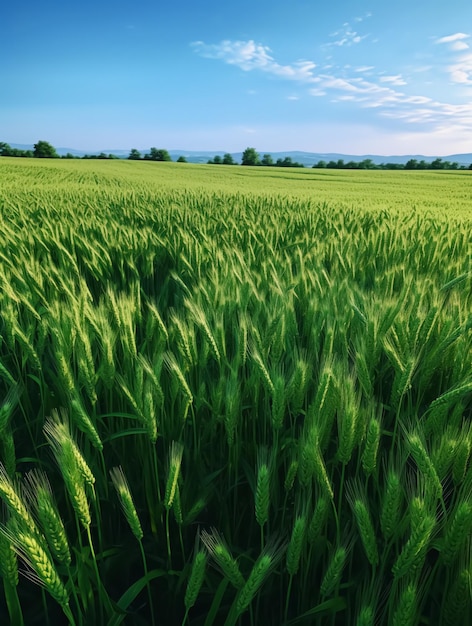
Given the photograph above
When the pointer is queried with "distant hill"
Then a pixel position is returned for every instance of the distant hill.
(307, 158)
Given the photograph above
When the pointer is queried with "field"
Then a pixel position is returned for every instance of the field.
(234, 396)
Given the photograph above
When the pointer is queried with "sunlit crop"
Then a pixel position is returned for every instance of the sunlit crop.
(240, 397)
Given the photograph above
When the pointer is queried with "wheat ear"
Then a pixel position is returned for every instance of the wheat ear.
(122, 488)
(221, 555)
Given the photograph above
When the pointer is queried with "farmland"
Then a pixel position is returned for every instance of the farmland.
(234, 395)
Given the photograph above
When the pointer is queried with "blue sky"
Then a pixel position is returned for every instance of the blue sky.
(354, 77)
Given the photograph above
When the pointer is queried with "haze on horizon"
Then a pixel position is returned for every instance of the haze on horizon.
(279, 76)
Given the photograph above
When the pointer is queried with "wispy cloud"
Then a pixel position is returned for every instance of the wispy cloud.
(395, 104)
(455, 41)
(359, 86)
(461, 70)
(396, 80)
(347, 36)
(363, 17)
(364, 68)
(451, 38)
(249, 55)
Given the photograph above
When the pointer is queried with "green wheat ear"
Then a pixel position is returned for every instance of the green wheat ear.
(219, 552)
(294, 548)
(175, 461)
(39, 493)
(366, 616)
(358, 502)
(458, 530)
(12, 497)
(265, 564)
(369, 456)
(196, 578)
(458, 599)
(7, 407)
(41, 568)
(262, 488)
(405, 613)
(391, 505)
(334, 572)
(414, 550)
(8, 560)
(318, 520)
(121, 485)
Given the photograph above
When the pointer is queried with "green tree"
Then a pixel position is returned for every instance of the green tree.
(267, 160)
(44, 150)
(320, 164)
(228, 159)
(412, 164)
(250, 157)
(158, 154)
(367, 164)
(5, 149)
(181, 159)
(134, 155)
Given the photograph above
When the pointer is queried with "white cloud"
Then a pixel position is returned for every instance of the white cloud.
(293, 98)
(363, 17)
(455, 42)
(359, 88)
(459, 45)
(451, 38)
(394, 104)
(393, 80)
(461, 70)
(249, 55)
(421, 68)
(346, 36)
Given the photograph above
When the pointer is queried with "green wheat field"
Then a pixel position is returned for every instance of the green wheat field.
(234, 396)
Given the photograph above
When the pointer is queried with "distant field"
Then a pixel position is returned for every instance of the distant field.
(449, 191)
(234, 396)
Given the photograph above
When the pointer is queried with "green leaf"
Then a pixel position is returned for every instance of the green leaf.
(132, 592)
(215, 605)
(330, 606)
(125, 433)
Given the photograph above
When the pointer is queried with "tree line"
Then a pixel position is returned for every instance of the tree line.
(41, 150)
(412, 164)
(250, 157)
(154, 154)
(45, 150)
